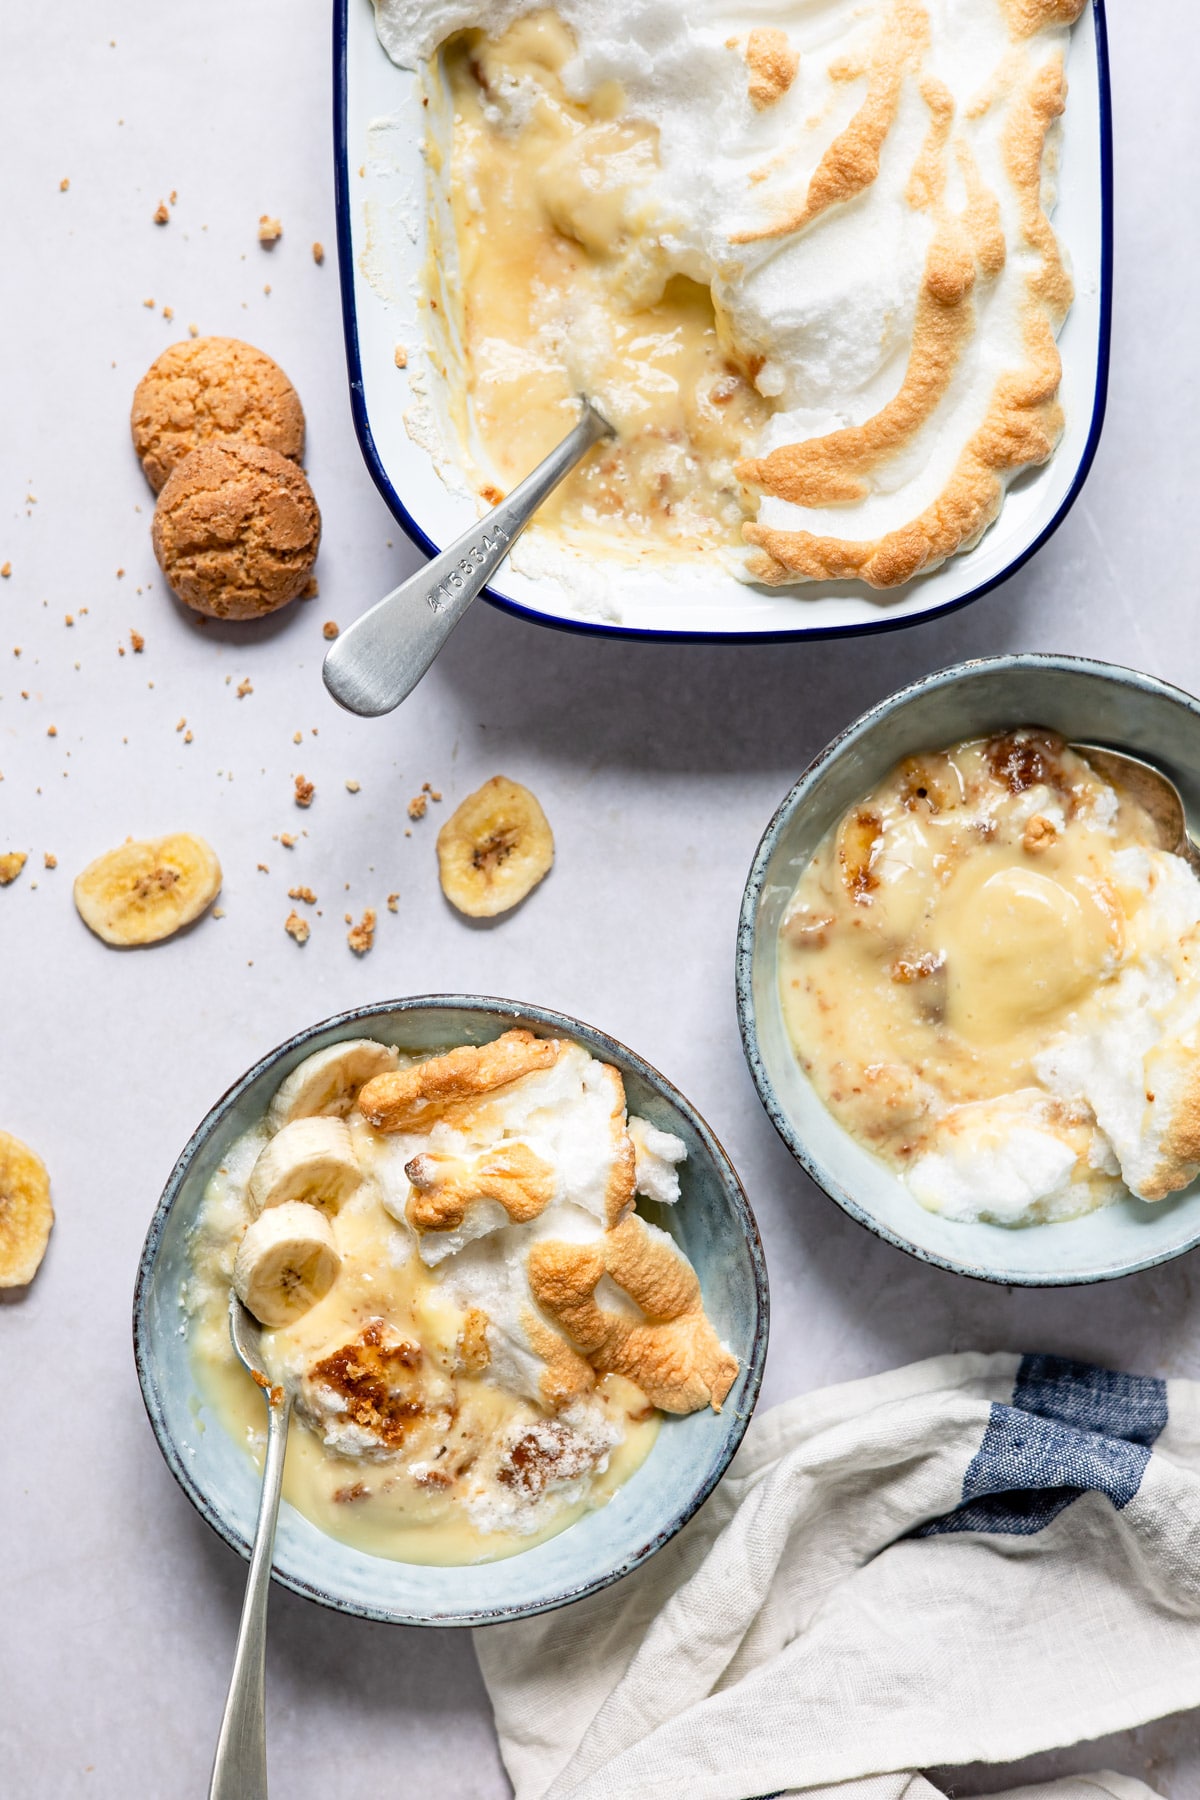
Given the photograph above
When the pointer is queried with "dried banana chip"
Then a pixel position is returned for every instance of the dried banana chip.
(494, 849)
(26, 1214)
(146, 891)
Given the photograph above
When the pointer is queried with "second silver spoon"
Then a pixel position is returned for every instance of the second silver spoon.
(378, 661)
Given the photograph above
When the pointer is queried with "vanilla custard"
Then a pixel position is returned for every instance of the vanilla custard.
(805, 266)
(503, 1331)
(991, 975)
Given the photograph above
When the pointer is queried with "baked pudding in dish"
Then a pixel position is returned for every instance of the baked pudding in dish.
(991, 975)
(479, 1330)
(806, 267)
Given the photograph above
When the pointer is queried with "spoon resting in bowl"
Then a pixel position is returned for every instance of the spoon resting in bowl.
(378, 661)
(240, 1765)
(1155, 792)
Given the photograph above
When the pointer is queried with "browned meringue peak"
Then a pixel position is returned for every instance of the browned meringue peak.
(1024, 419)
(772, 65)
(670, 1350)
(510, 1175)
(409, 1099)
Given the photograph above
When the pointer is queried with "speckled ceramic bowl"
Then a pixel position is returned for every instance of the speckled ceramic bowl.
(713, 1223)
(1090, 701)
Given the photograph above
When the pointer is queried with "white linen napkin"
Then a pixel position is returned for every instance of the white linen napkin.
(968, 1560)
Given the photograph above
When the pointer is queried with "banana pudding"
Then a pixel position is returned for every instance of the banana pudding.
(479, 1331)
(991, 974)
(805, 267)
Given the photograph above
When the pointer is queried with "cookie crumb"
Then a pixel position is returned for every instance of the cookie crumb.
(269, 230)
(49, 860)
(393, 903)
(161, 215)
(318, 253)
(305, 790)
(11, 865)
(287, 840)
(137, 642)
(149, 304)
(52, 731)
(193, 331)
(352, 787)
(329, 629)
(168, 312)
(434, 793)
(418, 806)
(361, 937)
(303, 893)
(297, 737)
(6, 570)
(311, 588)
(263, 869)
(187, 737)
(68, 618)
(297, 928)
(244, 688)
(64, 184)
(401, 357)
(120, 574)
(181, 725)
(218, 912)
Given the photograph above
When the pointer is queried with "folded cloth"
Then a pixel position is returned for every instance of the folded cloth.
(968, 1560)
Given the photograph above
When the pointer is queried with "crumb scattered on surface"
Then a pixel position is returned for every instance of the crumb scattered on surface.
(298, 928)
(168, 312)
(418, 806)
(181, 725)
(187, 737)
(361, 937)
(218, 912)
(52, 731)
(393, 903)
(352, 787)
(329, 629)
(49, 860)
(303, 893)
(269, 230)
(297, 737)
(64, 184)
(434, 793)
(149, 304)
(161, 215)
(287, 840)
(11, 864)
(137, 642)
(401, 357)
(6, 570)
(305, 790)
(193, 331)
(244, 688)
(318, 253)
(263, 869)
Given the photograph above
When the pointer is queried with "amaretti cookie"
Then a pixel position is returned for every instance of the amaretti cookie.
(210, 390)
(236, 530)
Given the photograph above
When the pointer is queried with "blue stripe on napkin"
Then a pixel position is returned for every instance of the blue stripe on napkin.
(1070, 1429)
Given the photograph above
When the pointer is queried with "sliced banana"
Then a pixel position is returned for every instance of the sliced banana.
(310, 1159)
(494, 849)
(329, 1081)
(26, 1214)
(286, 1262)
(148, 890)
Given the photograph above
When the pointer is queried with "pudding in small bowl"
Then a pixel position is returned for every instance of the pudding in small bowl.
(507, 1276)
(969, 974)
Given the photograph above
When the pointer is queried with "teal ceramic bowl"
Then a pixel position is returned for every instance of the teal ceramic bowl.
(712, 1222)
(1089, 701)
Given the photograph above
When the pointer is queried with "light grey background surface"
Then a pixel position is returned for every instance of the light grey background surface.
(657, 766)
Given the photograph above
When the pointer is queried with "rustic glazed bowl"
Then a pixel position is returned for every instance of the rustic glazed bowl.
(1097, 703)
(712, 1222)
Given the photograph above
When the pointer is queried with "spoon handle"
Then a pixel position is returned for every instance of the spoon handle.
(240, 1765)
(378, 661)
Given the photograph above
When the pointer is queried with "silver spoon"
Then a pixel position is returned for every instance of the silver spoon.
(240, 1765)
(1155, 792)
(378, 661)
